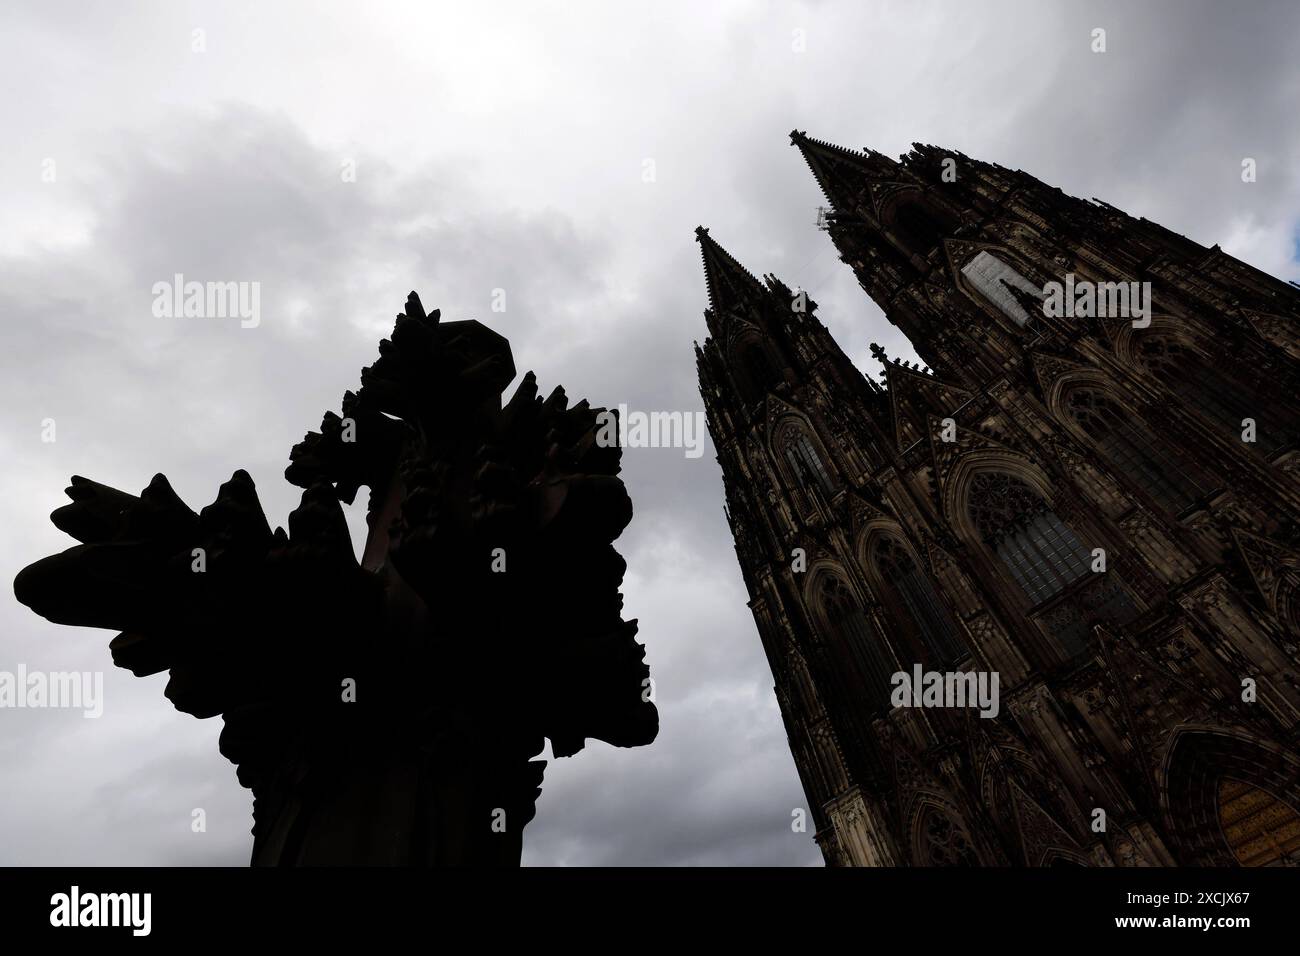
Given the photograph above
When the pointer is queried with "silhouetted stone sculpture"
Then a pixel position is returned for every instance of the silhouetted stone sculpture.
(385, 712)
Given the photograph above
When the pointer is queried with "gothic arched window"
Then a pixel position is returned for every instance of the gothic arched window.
(994, 280)
(918, 599)
(1039, 551)
(806, 464)
(850, 625)
(943, 841)
(1222, 398)
(1165, 474)
(1045, 557)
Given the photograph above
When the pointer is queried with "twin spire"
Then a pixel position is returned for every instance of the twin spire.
(840, 172)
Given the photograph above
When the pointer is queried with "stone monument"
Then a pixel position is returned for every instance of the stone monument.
(386, 712)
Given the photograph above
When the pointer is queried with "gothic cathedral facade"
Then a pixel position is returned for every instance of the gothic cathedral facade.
(1102, 510)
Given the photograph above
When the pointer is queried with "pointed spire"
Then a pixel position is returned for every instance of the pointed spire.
(729, 282)
(842, 172)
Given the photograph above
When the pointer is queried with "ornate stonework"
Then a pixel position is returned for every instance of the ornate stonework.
(1072, 503)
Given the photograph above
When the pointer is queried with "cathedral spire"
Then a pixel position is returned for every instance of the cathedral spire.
(730, 284)
(953, 522)
(841, 173)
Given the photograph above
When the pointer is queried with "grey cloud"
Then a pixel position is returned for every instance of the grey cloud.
(524, 177)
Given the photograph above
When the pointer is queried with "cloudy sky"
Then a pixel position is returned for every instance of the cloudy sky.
(503, 146)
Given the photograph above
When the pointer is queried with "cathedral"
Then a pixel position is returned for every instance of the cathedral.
(1093, 510)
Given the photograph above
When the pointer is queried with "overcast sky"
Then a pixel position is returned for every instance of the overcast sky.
(504, 146)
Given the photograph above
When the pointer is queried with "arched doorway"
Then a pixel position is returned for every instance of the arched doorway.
(1231, 799)
(1260, 829)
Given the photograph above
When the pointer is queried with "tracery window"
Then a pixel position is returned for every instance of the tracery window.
(944, 842)
(806, 464)
(1164, 473)
(849, 623)
(1039, 551)
(1045, 557)
(919, 599)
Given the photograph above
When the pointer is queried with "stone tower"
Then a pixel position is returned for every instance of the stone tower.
(1039, 603)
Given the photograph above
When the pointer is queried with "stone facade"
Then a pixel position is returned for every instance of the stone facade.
(1101, 509)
